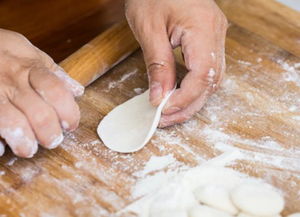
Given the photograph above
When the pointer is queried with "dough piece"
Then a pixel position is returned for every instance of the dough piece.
(206, 211)
(212, 175)
(258, 199)
(129, 126)
(247, 215)
(294, 215)
(217, 197)
(170, 213)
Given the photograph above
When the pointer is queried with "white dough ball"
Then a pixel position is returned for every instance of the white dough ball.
(258, 199)
(294, 215)
(248, 215)
(169, 213)
(206, 211)
(217, 197)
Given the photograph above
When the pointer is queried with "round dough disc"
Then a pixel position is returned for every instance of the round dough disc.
(258, 199)
(215, 196)
(294, 215)
(247, 215)
(206, 211)
(129, 126)
(170, 213)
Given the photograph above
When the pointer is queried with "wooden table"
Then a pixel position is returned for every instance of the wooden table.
(257, 112)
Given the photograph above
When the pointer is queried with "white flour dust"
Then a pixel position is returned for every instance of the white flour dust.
(292, 72)
(114, 84)
(157, 163)
(11, 161)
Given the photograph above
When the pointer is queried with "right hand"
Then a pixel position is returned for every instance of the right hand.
(36, 97)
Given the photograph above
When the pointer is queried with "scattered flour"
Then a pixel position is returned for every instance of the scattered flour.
(157, 163)
(244, 62)
(292, 72)
(259, 60)
(125, 77)
(11, 161)
(29, 172)
(139, 90)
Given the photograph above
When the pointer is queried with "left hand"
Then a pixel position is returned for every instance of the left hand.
(199, 27)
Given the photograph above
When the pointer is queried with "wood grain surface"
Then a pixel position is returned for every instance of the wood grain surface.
(256, 112)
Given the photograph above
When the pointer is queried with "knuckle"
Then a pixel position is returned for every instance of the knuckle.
(184, 117)
(10, 91)
(210, 78)
(157, 67)
(3, 98)
(58, 90)
(43, 118)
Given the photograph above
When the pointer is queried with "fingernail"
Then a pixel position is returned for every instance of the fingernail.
(171, 110)
(56, 141)
(34, 149)
(65, 125)
(155, 93)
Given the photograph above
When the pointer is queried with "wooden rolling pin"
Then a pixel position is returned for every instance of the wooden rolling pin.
(104, 52)
(101, 54)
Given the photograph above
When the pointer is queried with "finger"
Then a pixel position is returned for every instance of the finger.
(71, 84)
(74, 86)
(160, 62)
(220, 50)
(2, 147)
(40, 115)
(16, 131)
(197, 48)
(53, 91)
(185, 114)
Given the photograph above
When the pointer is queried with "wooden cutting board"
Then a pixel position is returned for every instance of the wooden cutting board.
(256, 112)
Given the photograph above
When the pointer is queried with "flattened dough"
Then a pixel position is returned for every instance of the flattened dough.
(216, 196)
(247, 215)
(258, 199)
(295, 215)
(129, 126)
(206, 211)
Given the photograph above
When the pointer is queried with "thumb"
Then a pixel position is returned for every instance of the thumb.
(160, 64)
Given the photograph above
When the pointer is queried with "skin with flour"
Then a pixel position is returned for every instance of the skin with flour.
(37, 97)
(199, 27)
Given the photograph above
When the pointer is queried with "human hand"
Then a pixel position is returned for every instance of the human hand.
(199, 27)
(36, 97)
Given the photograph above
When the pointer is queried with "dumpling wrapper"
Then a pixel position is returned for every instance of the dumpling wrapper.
(129, 126)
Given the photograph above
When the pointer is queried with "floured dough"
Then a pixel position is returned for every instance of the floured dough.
(294, 215)
(247, 215)
(129, 126)
(206, 211)
(216, 196)
(258, 199)
(212, 175)
(171, 213)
